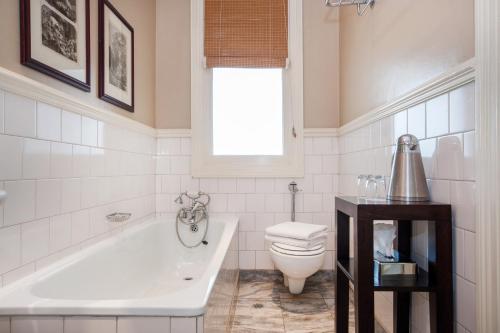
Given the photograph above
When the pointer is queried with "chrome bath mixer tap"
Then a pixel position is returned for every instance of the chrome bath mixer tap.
(192, 215)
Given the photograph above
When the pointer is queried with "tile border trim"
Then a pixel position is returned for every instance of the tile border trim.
(452, 79)
(186, 132)
(21, 85)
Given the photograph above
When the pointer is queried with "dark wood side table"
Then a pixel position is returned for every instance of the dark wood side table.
(359, 269)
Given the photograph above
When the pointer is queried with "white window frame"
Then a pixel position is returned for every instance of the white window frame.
(203, 162)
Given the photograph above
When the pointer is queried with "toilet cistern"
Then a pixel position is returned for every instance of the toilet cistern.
(292, 187)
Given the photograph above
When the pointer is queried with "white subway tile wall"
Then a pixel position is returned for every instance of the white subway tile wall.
(63, 173)
(445, 127)
(71, 126)
(260, 202)
(11, 150)
(19, 115)
(416, 120)
(48, 125)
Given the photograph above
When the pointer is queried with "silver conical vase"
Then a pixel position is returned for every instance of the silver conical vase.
(408, 181)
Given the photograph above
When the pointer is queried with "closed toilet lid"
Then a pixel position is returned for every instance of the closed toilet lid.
(297, 251)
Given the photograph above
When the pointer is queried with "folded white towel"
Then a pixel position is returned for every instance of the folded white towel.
(296, 230)
(305, 244)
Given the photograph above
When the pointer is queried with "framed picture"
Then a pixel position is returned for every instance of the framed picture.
(55, 39)
(116, 57)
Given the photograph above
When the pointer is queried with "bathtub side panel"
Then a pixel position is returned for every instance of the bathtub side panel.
(4, 324)
(89, 324)
(218, 317)
(143, 324)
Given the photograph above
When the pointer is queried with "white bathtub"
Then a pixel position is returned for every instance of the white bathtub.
(141, 272)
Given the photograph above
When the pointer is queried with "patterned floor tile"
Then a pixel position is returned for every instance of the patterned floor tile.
(258, 290)
(263, 316)
(265, 305)
(304, 306)
(310, 291)
(321, 322)
(330, 302)
(260, 276)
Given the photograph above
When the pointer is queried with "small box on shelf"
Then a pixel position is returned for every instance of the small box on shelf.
(393, 268)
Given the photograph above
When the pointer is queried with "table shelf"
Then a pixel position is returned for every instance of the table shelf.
(359, 270)
(420, 284)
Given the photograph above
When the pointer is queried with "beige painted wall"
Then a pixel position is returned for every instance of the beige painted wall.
(397, 46)
(321, 85)
(173, 64)
(140, 15)
(321, 65)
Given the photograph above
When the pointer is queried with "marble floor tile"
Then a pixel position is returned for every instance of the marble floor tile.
(330, 303)
(310, 291)
(252, 316)
(351, 313)
(313, 311)
(327, 291)
(260, 276)
(304, 306)
(322, 276)
(258, 290)
(321, 322)
(379, 328)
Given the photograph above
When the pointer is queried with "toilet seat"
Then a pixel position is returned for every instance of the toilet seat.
(298, 251)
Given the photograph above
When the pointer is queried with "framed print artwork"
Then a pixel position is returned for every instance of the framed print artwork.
(116, 57)
(55, 39)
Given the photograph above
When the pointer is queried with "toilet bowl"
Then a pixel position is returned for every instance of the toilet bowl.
(297, 263)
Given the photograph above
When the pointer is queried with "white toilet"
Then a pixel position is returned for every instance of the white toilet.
(297, 263)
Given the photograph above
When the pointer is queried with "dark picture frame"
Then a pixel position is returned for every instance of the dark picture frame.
(60, 19)
(113, 64)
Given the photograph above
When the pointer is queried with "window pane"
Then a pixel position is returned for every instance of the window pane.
(247, 111)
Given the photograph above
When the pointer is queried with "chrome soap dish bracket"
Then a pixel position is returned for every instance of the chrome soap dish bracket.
(118, 217)
(362, 5)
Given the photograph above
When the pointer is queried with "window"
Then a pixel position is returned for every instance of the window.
(246, 95)
(247, 111)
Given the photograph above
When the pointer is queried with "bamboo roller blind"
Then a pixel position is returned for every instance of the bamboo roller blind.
(246, 33)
